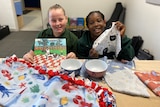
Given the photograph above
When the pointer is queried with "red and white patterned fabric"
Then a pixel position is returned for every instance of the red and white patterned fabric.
(53, 62)
(151, 79)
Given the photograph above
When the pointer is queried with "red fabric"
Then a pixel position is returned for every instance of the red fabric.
(151, 79)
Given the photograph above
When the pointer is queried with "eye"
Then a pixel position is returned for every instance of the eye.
(99, 20)
(91, 22)
(61, 19)
(53, 20)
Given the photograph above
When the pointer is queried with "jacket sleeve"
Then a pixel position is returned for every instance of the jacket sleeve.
(82, 49)
(72, 43)
(127, 51)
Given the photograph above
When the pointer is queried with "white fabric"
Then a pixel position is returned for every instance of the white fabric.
(125, 81)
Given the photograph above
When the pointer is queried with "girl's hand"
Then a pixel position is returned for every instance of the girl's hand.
(29, 56)
(71, 55)
(93, 53)
(121, 27)
(124, 61)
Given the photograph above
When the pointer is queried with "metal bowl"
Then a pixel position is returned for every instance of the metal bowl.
(71, 65)
(96, 68)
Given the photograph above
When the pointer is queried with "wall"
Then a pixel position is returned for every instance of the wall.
(23, 4)
(144, 19)
(8, 14)
(141, 18)
(79, 8)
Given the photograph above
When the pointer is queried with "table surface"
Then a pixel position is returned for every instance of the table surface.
(124, 100)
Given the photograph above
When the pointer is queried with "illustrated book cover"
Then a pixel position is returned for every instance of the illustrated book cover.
(50, 46)
(50, 52)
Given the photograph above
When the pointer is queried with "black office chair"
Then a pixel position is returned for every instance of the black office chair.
(117, 15)
(137, 43)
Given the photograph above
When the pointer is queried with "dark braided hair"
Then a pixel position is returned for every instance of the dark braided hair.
(87, 18)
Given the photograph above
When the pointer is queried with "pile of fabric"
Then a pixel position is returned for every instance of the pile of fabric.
(23, 84)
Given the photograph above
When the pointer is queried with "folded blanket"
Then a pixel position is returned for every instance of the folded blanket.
(125, 81)
(151, 79)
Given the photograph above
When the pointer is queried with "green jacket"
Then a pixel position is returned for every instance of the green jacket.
(71, 38)
(85, 44)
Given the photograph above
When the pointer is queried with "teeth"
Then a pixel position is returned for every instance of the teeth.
(97, 30)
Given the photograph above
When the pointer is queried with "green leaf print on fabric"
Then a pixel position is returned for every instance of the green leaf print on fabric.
(35, 88)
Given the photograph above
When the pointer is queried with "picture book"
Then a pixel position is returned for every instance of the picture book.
(50, 46)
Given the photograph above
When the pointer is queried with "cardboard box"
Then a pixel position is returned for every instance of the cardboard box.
(20, 21)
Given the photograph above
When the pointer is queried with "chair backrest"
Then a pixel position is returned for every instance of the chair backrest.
(122, 15)
(115, 15)
(137, 43)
